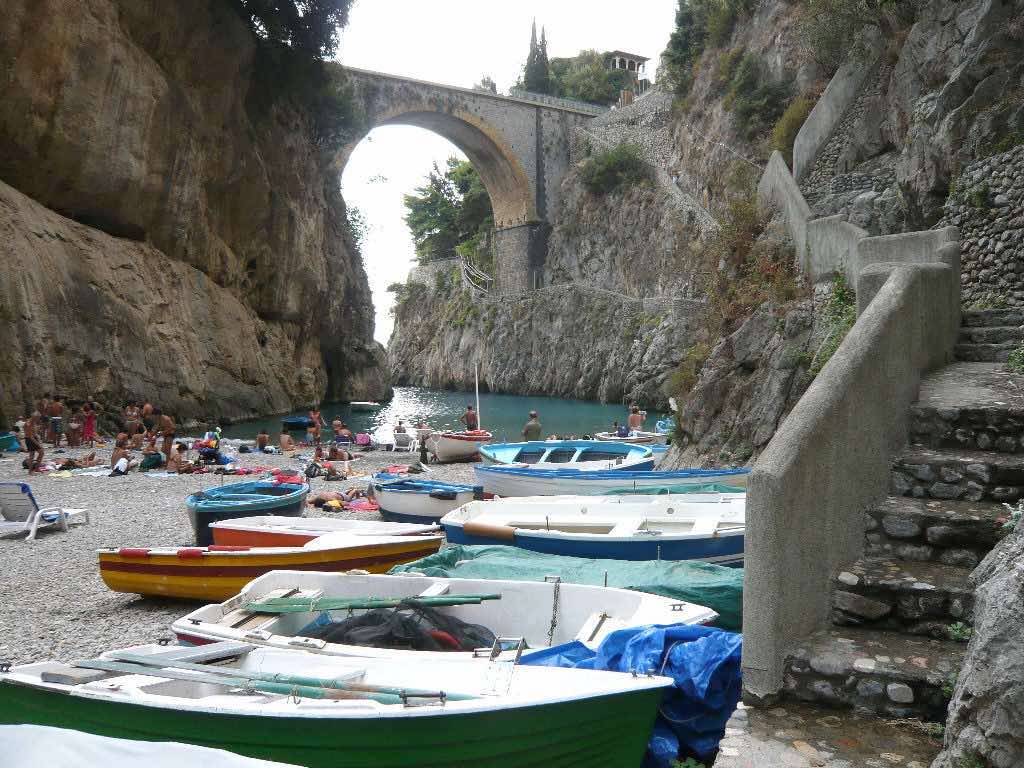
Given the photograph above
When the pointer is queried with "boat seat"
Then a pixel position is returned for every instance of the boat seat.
(705, 526)
(436, 590)
(201, 654)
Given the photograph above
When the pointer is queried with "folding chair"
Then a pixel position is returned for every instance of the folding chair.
(405, 442)
(22, 514)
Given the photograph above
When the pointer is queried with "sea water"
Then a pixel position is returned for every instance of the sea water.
(503, 415)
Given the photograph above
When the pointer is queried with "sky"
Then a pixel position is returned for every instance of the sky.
(456, 42)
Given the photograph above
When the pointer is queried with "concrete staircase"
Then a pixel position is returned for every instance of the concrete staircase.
(901, 614)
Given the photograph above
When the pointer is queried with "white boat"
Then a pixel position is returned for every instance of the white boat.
(416, 499)
(635, 437)
(706, 527)
(527, 481)
(457, 446)
(363, 405)
(569, 454)
(278, 531)
(542, 613)
(327, 711)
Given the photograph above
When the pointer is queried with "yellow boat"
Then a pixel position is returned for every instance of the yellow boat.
(218, 572)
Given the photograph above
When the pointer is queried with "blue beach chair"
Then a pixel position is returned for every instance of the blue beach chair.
(21, 513)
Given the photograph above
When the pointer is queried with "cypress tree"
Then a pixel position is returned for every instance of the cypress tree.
(535, 74)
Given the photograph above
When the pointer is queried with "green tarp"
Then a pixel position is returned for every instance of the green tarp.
(714, 586)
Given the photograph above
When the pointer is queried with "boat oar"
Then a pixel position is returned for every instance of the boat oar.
(239, 681)
(305, 605)
(339, 684)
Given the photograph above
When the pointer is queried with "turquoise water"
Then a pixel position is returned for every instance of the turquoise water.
(504, 415)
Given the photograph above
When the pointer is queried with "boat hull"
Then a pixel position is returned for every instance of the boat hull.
(586, 455)
(572, 733)
(299, 532)
(509, 481)
(403, 507)
(634, 438)
(455, 447)
(218, 575)
(214, 505)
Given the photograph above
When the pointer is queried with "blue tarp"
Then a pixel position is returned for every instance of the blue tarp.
(703, 661)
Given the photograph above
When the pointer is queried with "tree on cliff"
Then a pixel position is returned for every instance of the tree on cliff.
(536, 77)
(451, 210)
(309, 26)
(586, 77)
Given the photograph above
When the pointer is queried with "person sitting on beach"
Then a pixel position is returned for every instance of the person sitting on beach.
(121, 460)
(178, 460)
(285, 441)
(345, 434)
(262, 440)
(34, 442)
(89, 460)
(151, 457)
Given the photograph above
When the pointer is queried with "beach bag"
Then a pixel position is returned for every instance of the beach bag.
(362, 439)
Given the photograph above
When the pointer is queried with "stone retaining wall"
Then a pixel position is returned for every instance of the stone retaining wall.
(428, 273)
(987, 204)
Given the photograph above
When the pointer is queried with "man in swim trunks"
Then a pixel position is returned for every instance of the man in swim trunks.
(165, 427)
(56, 413)
(313, 431)
(470, 419)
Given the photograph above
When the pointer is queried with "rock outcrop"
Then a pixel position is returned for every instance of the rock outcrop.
(986, 715)
(200, 256)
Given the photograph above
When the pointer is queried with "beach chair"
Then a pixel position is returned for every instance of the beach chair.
(405, 442)
(22, 514)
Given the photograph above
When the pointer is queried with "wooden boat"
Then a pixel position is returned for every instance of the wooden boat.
(216, 573)
(541, 613)
(256, 497)
(296, 423)
(569, 454)
(635, 437)
(680, 527)
(457, 446)
(344, 712)
(272, 531)
(527, 481)
(413, 500)
(362, 406)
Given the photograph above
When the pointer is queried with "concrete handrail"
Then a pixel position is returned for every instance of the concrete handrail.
(777, 188)
(830, 459)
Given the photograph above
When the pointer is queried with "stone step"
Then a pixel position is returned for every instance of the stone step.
(974, 406)
(991, 317)
(985, 353)
(956, 474)
(991, 334)
(917, 598)
(952, 532)
(887, 673)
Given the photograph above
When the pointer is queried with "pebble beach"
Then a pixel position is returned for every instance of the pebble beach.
(56, 606)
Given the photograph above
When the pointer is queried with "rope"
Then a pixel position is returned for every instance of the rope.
(554, 613)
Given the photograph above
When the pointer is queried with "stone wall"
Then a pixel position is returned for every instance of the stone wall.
(987, 204)
(431, 272)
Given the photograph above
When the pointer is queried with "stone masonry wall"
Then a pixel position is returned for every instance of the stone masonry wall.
(987, 204)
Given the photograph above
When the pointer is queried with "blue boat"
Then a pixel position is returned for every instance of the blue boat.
(666, 426)
(570, 454)
(408, 500)
(256, 497)
(528, 481)
(296, 423)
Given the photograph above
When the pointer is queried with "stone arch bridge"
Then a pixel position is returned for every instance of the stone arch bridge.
(519, 144)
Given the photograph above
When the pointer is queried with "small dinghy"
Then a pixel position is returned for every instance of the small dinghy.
(457, 446)
(296, 423)
(363, 406)
(344, 712)
(635, 437)
(273, 531)
(569, 454)
(216, 573)
(411, 500)
(527, 481)
(256, 497)
(424, 616)
(706, 527)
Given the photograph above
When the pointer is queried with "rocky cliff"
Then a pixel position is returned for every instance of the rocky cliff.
(161, 237)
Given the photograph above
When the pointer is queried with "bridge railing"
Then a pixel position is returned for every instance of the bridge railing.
(476, 282)
(557, 101)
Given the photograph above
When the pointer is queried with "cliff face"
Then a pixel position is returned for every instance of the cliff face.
(199, 256)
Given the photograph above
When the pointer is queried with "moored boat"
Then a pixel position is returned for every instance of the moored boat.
(457, 446)
(635, 437)
(255, 497)
(412, 500)
(363, 406)
(527, 481)
(296, 423)
(216, 573)
(273, 531)
(702, 527)
(344, 712)
(541, 613)
(569, 454)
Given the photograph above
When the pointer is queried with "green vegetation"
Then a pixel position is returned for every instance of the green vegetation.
(1016, 511)
(786, 128)
(700, 24)
(685, 376)
(991, 301)
(357, 226)
(974, 761)
(687, 763)
(831, 29)
(618, 167)
(1015, 362)
(311, 28)
(840, 313)
(979, 197)
(756, 103)
(959, 632)
(451, 211)
(586, 77)
(1008, 142)
(536, 75)
(486, 84)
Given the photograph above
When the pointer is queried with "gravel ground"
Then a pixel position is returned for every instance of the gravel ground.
(55, 606)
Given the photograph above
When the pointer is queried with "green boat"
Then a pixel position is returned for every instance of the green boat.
(344, 712)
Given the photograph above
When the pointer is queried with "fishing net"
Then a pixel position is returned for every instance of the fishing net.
(416, 628)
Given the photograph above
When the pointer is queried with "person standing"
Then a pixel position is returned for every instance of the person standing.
(56, 420)
(132, 418)
(89, 425)
(34, 442)
(636, 418)
(148, 415)
(470, 419)
(165, 427)
(533, 429)
(313, 431)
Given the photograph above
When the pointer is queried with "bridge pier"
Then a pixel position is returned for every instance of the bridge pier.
(519, 256)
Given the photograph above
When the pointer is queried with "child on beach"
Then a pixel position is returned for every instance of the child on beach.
(121, 459)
